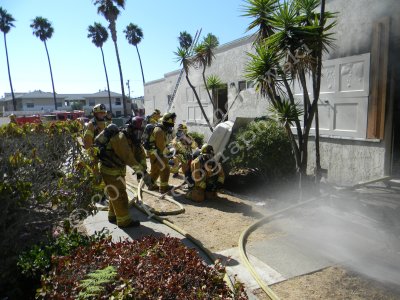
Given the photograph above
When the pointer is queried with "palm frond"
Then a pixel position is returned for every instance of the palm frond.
(6, 21)
(286, 112)
(183, 57)
(214, 82)
(261, 11)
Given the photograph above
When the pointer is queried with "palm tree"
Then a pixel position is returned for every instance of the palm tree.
(295, 41)
(204, 55)
(98, 34)
(185, 40)
(134, 35)
(6, 22)
(110, 12)
(43, 30)
(183, 56)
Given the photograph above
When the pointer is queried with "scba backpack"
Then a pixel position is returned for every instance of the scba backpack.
(148, 130)
(103, 138)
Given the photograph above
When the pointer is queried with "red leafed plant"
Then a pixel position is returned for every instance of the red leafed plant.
(150, 268)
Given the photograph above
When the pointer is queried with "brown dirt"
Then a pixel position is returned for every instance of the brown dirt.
(218, 224)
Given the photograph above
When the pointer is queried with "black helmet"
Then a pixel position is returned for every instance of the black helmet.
(207, 149)
(168, 119)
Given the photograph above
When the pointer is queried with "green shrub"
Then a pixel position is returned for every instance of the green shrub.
(37, 260)
(149, 268)
(45, 177)
(198, 137)
(262, 146)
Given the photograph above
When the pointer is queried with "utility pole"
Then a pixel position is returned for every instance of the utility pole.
(129, 89)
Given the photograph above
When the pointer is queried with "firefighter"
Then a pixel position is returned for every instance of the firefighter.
(183, 145)
(122, 149)
(158, 152)
(95, 125)
(207, 174)
(13, 119)
(154, 117)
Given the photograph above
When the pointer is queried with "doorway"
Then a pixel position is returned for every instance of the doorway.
(221, 105)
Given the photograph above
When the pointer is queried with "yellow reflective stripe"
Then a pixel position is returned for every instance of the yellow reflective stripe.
(221, 179)
(112, 171)
(137, 168)
(89, 133)
(174, 169)
(202, 184)
(152, 151)
(163, 183)
(121, 221)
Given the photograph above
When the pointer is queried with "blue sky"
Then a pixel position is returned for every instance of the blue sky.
(76, 62)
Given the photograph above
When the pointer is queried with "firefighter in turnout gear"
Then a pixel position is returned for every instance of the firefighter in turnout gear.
(183, 145)
(159, 152)
(13, 119)
(121, 150)
(95, 125)
(207, 174)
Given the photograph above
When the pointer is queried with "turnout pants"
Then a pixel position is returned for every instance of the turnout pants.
(118, 198)
(159, 168)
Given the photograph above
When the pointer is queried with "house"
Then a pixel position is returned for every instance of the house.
(38, 102)
(359, 108)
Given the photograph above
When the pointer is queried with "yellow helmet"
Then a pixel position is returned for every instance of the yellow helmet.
(156, 112)
(12, 116)
(168, 119)
(182, 127)
(99, 108)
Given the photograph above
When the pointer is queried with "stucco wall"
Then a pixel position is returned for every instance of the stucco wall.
(349, 162)
(355, 21)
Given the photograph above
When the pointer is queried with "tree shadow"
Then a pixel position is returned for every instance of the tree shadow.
(222, 203)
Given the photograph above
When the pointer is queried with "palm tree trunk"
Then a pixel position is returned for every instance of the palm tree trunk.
(9, 76)
(205, 85)
(317, 90)
(51, 75)
(124, 102)
(199, 102)
(140, 61)
(108, 85)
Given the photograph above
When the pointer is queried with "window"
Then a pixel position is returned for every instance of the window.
(242, 85)
(30, 105)
(250, 84)
(92, 102)
(117, 101)
(59, 104)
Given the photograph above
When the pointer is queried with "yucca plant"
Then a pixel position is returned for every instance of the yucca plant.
(291, 38)
(203, 57)
(184, 58)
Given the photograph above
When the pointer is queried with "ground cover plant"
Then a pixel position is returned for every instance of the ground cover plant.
(150, 268)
